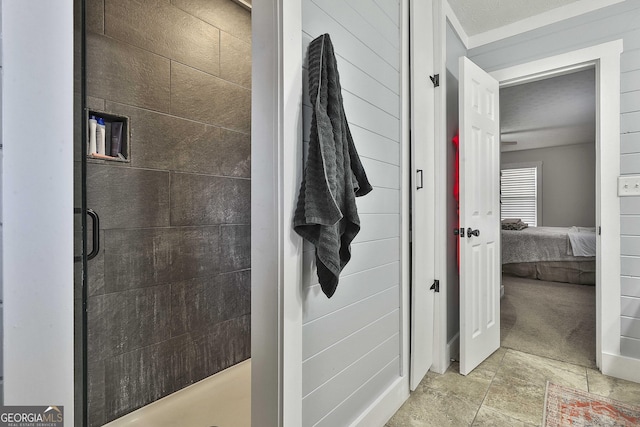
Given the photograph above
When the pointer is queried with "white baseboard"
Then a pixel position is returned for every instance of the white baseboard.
(453, 348)
(619, 366)
(451, 351)
(385, 406)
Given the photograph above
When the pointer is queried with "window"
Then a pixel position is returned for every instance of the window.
(519, 192)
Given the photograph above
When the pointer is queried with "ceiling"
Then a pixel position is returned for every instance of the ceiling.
(544, 113)
(478, 16)
(555, 111)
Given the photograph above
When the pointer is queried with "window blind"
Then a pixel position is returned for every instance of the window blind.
(519, 194)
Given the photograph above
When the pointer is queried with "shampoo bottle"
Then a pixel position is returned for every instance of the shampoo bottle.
(100, 136)
(92, 135)
(116, 138)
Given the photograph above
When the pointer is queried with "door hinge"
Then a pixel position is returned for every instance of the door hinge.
(435, 79)
(435, 286)
(599, 230)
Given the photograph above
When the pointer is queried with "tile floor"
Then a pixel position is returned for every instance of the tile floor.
(507, 390)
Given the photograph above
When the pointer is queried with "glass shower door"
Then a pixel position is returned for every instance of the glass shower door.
(80, 217)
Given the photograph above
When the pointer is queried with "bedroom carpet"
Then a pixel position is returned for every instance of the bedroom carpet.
(549, 319)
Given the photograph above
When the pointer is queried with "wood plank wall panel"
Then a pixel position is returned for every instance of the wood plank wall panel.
(630, 223)
(351, 342)
(620, 21)
(377, 279)
(630, 286)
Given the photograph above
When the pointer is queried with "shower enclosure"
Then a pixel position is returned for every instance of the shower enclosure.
(166, 295)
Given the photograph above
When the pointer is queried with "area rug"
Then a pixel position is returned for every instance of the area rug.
(564, 406)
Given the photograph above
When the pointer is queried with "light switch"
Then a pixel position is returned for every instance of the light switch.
(629, 185)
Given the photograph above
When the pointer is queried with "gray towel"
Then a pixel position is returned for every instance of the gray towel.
(326, 213)
(513, 224)
(511, 220)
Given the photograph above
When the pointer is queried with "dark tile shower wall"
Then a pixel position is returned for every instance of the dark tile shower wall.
(169, 292)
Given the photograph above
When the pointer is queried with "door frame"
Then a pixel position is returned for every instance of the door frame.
(606, 59)
(276, 251)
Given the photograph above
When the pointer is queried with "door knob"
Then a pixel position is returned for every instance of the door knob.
(471, 232)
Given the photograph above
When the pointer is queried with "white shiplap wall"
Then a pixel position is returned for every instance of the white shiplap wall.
(621, 21)
(351, 342)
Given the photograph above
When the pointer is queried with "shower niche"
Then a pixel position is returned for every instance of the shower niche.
(115, 146)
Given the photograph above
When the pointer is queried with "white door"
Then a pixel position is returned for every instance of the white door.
(479, 215)
(422, 260)
(422, 193)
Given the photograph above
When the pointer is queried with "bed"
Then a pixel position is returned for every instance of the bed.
(555, 254)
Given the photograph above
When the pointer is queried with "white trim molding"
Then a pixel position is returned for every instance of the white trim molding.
(442, 12)
(619, 366)
(606, 58)
(276, 251)
(453, 348)
(455, 23)
(386, 405)
(546, 18)
(405, 197)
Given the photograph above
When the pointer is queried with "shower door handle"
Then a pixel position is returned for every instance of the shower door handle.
(95, 220)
